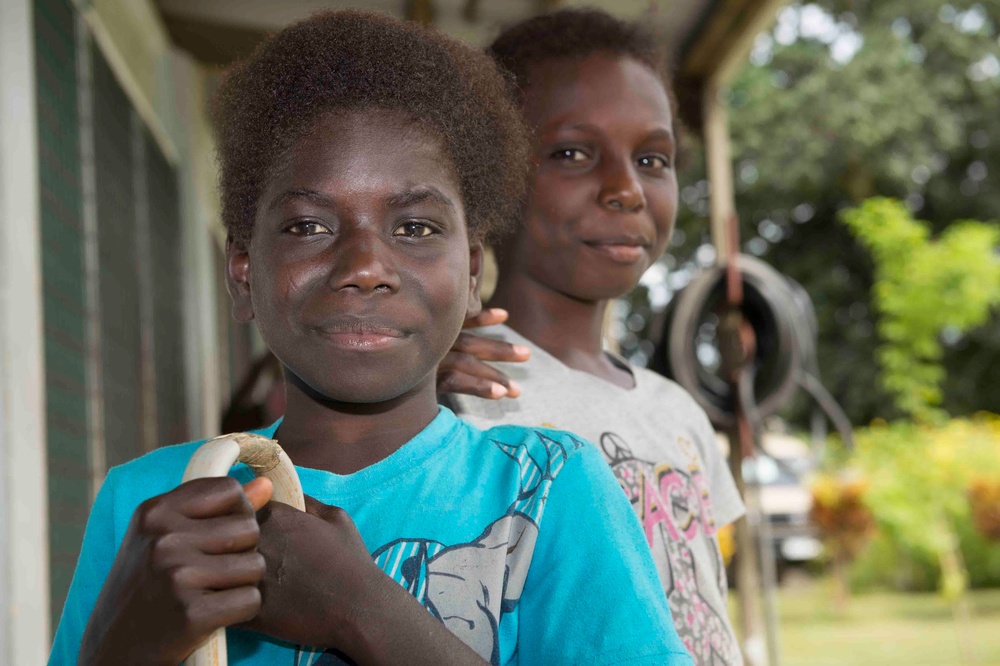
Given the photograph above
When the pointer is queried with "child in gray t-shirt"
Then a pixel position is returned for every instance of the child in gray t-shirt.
(600, 211)
(662, 449)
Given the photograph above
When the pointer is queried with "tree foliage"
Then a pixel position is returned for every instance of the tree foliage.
(923, 289)
(919, 478)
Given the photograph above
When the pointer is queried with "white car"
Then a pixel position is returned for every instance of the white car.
(783, 471)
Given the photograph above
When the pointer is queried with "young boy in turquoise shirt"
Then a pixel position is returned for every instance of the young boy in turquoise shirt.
(362, 162)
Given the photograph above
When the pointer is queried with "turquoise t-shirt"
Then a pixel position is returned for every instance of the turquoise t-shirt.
(518, 539)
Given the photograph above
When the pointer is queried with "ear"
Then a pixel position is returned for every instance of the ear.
(476, 263)
(238, 280)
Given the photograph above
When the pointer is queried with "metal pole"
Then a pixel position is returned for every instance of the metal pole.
(737, 346)
(756, 579)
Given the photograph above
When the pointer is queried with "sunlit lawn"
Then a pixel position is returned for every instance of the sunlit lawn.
(884, 629)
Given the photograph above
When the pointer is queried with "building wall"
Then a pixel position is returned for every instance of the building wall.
(116, 273)
(64, 298)
(23, 533)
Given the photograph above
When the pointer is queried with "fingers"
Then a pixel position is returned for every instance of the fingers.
(328, 513)
(259, 492)
(464, 370)
(462, 373)
(225, 607)
(220, 496)
(212, 516)
(208, 498)
(466, 384)
(487, 349)
(193, 553)
(488, 317)
(228, 534)
(221, 572)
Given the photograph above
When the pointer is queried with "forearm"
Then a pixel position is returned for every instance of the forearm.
(102, 646)
(105, 655)
(110, 638)
(106, 638)
(392, 627)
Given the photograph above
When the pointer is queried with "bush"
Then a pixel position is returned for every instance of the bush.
(920, 485)
(922, 287)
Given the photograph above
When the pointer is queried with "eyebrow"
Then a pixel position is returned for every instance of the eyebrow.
(408, 197)
(302, 193)
(420, 194)
(660, 133)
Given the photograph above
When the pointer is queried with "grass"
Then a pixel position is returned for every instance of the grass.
(885, 628)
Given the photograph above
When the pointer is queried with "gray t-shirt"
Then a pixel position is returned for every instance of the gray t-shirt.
(663, 452)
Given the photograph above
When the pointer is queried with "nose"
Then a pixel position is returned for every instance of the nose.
(620, 187)
(364, 264)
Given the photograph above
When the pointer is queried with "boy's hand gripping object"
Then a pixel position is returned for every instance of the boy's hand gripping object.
(265, 458)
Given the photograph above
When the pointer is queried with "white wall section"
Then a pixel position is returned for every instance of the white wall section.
(24, 594)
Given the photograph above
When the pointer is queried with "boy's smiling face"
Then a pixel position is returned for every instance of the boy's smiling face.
(604, 194)
(359, 271)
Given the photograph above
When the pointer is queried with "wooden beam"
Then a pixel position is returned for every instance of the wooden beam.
(711, 38)
(212, 43)
(718, 164)
(726, 37)
(743, 38)
(717, 48)
(470, 11)
(421, 11)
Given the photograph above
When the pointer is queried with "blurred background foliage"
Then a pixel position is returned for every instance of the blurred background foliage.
(925, 289)
(845, 100)
(925, 486)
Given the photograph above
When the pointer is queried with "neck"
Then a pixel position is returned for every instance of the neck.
(568, 328)
(346, 437)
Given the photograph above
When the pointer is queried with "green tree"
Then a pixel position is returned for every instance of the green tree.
(924, 287)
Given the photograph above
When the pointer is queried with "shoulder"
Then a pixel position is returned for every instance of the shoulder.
(163, 467)
(685, 414)
(152, 474)
(128, 485)
(694, 425)
(667, 389)
(543, 464)
(675, 402)
(164, 461)
(543, 455)
(542, 445)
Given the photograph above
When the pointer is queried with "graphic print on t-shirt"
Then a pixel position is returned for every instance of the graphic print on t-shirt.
(469, 586)
(674, 508)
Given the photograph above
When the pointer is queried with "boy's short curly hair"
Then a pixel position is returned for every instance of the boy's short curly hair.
(350, 61)
(575, 34)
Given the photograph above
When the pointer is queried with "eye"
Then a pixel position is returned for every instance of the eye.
(569, 155)
(654, 162)
(307, 228)
(414, 230)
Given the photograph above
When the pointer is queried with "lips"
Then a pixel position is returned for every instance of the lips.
(358, 333)
(620, 249)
